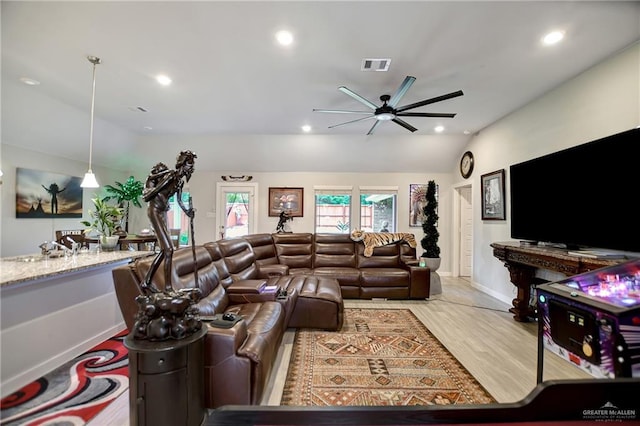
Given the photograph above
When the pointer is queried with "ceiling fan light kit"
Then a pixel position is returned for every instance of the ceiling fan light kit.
(388, 111)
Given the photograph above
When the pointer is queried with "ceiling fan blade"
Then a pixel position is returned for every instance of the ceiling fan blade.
(426, 114)
(404, 124)
(430, 101)
(357, 97)
(352, 121)
(341, 111)
(406, 84)
(370, 132)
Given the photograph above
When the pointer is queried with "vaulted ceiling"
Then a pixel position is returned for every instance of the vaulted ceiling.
(230, 78)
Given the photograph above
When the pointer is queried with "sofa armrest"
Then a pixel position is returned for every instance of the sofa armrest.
(420, 278)
(268, 271)
(238, 298)
(127, 287)
(246, 287)
(223, 343)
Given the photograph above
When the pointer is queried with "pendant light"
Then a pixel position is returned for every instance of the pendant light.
(89, 180)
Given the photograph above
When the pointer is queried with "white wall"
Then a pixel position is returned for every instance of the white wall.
(22, 236)
(203, 186)
(602, 101)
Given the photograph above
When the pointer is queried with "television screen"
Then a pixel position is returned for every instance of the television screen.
(584, 196)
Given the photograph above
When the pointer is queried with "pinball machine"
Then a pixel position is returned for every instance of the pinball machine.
(593, 320)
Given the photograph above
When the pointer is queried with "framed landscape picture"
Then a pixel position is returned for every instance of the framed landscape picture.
(41, 195)
(289, 200)
(417, 201)
(493, 198)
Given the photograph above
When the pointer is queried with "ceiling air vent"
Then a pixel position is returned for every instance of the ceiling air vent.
(375, 64)
(138, 109)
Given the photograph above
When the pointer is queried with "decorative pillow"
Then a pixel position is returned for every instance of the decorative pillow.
(372, 240)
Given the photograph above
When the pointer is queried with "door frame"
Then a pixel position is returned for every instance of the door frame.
(221, 203)
(457, 228)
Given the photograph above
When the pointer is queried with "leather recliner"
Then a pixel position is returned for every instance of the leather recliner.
(238, 360)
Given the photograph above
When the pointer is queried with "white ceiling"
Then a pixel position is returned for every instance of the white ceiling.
(230, 78)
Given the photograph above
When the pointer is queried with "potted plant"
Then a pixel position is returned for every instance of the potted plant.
(431, 254)
(430, 214)
(104, 221)
(124, 194)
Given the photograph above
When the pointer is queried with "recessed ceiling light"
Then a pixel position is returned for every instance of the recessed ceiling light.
(29, 81)
(306, 128)
(147, 128)
(163, 79)
(467, 132)
(285, 38)
(439, 129)
(553, 37)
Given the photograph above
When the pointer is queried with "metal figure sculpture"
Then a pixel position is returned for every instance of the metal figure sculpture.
(168, 313)
(284, 218)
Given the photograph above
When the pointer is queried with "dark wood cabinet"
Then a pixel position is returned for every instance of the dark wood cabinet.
(166, 383)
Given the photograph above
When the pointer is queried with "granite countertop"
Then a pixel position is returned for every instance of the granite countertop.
(32, 267)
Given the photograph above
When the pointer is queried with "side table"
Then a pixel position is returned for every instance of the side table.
(166, 383)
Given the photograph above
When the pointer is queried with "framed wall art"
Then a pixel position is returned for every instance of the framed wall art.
(42, 195)
(493, 198)
(289, 200)
(417, 201)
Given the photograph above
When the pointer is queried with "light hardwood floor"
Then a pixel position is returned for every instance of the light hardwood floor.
(476, 328)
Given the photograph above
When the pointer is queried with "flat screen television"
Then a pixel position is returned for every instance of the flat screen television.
(585, 196)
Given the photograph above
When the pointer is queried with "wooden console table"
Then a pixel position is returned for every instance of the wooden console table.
(523, 260)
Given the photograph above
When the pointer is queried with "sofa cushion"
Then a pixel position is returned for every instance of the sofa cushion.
(218, 260)
(294, 249)
(319, 303)
(384, 277)
(239, 258)
(263, 248)
(345, 276)
(382, 257)
(334, 250)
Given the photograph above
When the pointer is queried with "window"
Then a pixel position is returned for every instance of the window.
(176, 219)
(333, 211)
(378, 210)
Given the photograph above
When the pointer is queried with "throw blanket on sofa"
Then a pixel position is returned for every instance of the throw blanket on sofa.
(372, 240)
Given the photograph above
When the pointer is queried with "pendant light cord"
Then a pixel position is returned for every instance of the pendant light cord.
(94, 61)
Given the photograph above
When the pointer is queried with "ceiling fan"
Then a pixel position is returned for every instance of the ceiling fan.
(388, 110)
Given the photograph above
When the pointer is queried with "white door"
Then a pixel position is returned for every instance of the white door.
(237, 209)
(466, 232)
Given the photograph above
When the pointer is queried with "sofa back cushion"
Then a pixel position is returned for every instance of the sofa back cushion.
(337, 250)
(263, 248)
(239, 258)
(294, 249)
(383, 257)
(218, 260)
(408, 253)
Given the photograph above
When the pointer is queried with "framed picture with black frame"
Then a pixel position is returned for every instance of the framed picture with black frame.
(289, 200)
(493, 196)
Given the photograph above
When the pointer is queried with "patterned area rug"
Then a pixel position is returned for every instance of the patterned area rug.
(73, 393)
(380, 357)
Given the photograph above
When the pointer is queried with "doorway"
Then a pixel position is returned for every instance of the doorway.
(464, 231)
(237, 209)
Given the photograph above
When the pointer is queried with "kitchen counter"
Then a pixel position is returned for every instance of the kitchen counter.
(19, 269)
(54, 309)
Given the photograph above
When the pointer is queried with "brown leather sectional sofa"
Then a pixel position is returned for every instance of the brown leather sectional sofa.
(239, 276)
(392, 272)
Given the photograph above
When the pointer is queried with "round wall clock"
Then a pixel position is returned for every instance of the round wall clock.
(466, 164)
